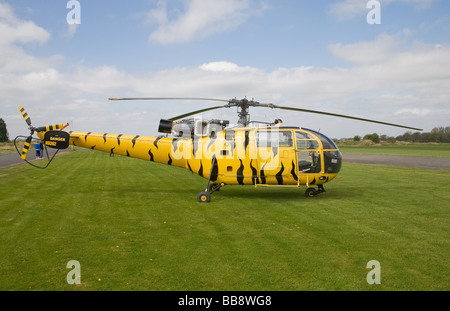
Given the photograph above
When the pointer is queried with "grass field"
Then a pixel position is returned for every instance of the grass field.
(136, 225)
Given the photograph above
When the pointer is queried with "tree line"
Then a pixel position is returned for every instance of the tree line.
(436, 135)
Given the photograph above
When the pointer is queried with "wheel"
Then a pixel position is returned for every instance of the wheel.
(204, 197)
(310, 193)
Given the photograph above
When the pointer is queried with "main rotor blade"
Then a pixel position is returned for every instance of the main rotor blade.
(195, 112)
(25, 115)
(170, 98)
(344, 116)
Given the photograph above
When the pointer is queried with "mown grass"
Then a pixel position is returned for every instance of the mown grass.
(136, 225)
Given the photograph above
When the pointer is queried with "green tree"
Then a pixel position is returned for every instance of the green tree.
(3, 131)
(373, 137)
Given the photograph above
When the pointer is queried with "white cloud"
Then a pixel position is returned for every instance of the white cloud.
(13, 32)
(370, 52)
(223, 66)
(202, 18)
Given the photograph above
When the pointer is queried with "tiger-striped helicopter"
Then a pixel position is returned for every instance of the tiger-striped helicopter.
(267, 154)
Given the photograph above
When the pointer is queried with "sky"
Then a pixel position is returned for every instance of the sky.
(62, 64)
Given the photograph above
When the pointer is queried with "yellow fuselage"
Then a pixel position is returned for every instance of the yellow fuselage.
(243, 156)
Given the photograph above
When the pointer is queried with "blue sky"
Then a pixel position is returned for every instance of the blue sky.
(320, 55)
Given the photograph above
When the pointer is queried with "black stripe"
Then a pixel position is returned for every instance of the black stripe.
(134, 140)
(254, 174)
(151, 155)
(261, 174)
(247, 140)
(200, 171)
(279, 175)
(155, 143)
(214, 170)
(293, 171)
(240, 174)
(86, 136)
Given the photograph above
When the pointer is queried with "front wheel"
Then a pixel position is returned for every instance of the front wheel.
(310, 193)
(204, 197)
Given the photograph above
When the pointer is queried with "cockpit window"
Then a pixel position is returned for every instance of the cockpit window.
(326, 142)
(307, 144)
(306, 141)
(302, 135)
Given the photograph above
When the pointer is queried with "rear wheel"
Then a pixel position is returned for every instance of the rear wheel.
(204, 197)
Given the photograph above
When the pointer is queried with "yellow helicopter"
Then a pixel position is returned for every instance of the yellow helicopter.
(267, 154)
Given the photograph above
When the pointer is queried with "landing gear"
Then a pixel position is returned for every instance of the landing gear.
(205, 196)
(312, 192)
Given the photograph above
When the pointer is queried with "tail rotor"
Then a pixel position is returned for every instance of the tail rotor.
(52, 130)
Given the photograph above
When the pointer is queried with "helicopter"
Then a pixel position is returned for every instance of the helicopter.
(262, 155)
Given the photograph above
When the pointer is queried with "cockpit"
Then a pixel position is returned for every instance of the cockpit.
(310, 154)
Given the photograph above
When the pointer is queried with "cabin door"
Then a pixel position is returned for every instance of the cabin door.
(277, 161)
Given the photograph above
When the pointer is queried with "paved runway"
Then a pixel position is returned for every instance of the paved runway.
(431, 163)
(12, 159)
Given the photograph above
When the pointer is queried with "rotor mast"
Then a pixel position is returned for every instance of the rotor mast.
(243, 111)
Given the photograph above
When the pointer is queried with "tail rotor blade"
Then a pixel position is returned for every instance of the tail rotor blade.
(50, 127)
(25, 115)
(26, 147)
